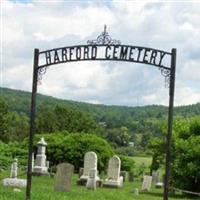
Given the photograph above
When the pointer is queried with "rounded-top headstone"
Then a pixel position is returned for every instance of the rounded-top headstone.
(90, 162)
(63, 177)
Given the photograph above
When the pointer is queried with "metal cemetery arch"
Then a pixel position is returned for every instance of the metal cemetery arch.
(105, 48)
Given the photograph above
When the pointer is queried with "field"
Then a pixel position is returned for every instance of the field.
(139, 160)
(43, 190)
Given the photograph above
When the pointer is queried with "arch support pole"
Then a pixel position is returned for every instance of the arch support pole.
(170, 125)
(32, 123)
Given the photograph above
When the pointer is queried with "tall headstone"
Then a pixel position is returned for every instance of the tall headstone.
(146, 185)
(92, 180)
(90, 162)
(114, 179)
(33, 161)
(14, 168)
(63, 177)
(40, 167)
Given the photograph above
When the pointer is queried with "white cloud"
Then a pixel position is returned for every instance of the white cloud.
(162, 25)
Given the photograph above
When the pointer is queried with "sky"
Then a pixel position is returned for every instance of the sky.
(164, 25)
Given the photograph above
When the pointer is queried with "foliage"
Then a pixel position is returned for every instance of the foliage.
(118, 136)
(157, 146)
(185, 165)
(126, 151)
(127, 163)
(3, 121)
(65, 147)
(60, 118)
(10, 151)
(136, 119)
(186, 161)
(18, 126)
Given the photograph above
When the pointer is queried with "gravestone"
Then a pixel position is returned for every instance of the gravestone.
(13, 180)
(92, 180)
(146, 185)
(136, 191)
(155, 177)
(80, 173)
(130, 176)
(114, 179)
(33, 161)
(40, 167)
(14, 168)
(63, 177)
(90, 162)
(124, 175)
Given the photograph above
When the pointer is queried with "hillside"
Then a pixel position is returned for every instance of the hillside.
(114, 116)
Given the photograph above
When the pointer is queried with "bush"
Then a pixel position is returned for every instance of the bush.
(65, 147)
(127, 163)
(10, 151)
(186, 163)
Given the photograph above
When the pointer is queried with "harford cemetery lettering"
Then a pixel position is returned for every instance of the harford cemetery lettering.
(104, 52)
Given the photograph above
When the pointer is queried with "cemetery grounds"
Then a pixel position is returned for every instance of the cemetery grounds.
(43, 189)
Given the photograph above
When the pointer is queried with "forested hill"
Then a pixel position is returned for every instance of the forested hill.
(114, 116)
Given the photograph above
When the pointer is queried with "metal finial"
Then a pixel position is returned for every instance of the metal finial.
(105, 28)
(104, 39)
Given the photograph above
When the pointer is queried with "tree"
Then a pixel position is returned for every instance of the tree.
(62, 118)
(145, 140)
(18, 126)
(118, 136)
(3, 120)
(185, 163)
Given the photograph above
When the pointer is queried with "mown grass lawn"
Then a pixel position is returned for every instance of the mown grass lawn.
(139, 160)
(43, 190)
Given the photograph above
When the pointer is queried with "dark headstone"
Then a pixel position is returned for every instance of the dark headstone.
(63, 177)
(131, 177)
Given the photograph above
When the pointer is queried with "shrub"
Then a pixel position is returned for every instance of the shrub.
(127, 163)
(10, 151)
(65, 147)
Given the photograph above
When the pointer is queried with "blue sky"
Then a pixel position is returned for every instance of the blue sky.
(163, 25)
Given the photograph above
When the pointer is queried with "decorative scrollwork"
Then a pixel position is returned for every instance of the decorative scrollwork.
(41, 72)
(104, 39)
(166, 73)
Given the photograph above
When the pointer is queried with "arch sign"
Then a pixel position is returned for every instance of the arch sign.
(104, 48)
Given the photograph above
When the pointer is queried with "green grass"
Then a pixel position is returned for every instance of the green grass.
(139, 160)
(43, 190)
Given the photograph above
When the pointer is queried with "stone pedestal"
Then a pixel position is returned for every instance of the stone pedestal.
(14, 182)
